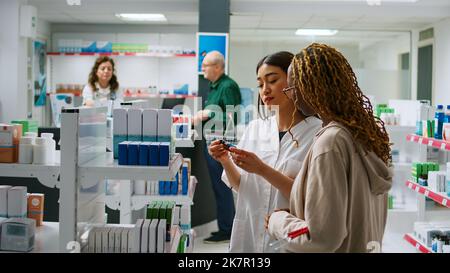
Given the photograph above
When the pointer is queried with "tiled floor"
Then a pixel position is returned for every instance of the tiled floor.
(203, 232)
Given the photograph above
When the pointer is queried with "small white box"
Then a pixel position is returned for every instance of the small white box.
(17, 202)
(152, 231)
(144, 236)
(4, 200)
(161, 236)
(117, 239)
(98, 240)
(124, 243)
(120, 122)
(164, 123)
(91, 240)
(150, 124)
(139, 187)
(185, 217)
(111, 239)
(176, 215)
(135, 123)
(135, 237)
(105, 240)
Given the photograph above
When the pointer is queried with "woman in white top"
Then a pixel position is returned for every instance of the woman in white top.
(263, 166)
(102, 84)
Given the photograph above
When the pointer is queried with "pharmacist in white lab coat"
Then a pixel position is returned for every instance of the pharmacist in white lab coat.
(262, 168)
(102, 86)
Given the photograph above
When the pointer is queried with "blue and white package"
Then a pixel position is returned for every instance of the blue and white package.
(144, 156)
(120, 129)
(164, 151)
(181, 130)
(154, 154)
(133, 153)
(123, 153)
(184, 180)
(167, 187)
(161, 188)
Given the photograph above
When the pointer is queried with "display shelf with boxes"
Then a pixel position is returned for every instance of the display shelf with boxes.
(410, 238)
(105, 167)
(440, 198)
(430, 179)
(123, 54)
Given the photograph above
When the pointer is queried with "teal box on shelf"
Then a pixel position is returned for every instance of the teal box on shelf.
(89, 47)
(150, 138)
(134, 138)
(103, 47)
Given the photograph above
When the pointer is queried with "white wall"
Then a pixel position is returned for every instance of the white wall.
(13, 63)
(246, 55)
(380, 73)
(441, 61)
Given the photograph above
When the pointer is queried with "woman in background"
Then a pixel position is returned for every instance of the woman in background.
(102, 84)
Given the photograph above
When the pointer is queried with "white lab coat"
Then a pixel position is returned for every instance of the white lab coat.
(256, 197)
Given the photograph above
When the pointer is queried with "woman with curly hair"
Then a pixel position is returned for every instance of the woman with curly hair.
(102, 84)
(338, 202)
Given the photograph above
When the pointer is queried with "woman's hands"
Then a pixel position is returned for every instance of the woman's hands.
(217, 151)
(248, 161)
(267, 218)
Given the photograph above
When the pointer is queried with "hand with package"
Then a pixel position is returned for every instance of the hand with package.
(248, 161)
(219, 151)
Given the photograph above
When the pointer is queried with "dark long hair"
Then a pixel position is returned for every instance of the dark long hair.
(281, 59)
(113, 83)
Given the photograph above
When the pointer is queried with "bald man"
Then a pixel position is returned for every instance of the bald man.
(224, 91)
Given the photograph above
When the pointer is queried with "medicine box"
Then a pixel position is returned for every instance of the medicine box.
(150, 125)
(9, 142)
(36, 207)
(134, 124)
(120, 128)
(17, 202)
(152, 240)
(161, 241)
(164, 125)
(4, 200)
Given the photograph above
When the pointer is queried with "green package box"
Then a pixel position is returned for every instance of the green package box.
(27, 125)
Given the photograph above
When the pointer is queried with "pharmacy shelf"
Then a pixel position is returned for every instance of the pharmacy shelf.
(105, 167)
(416, 243)
(48, 175)
(161, 96)
(437, 197)
(140, 201)
(437, 143)
(127, 54)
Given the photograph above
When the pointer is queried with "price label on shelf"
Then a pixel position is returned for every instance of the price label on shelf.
(430, 143)
(444, 202)
(426, 193)
(410, 186)
(417, 189)
(443, 146)
(417, 245)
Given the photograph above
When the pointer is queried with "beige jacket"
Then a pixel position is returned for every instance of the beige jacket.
(340, 195)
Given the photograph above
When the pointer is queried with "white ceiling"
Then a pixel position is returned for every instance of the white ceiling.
(263, 19)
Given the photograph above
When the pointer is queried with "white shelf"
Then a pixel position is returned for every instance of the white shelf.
(46, 174)
(105, 167)
(436, 197)
(140, 201)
